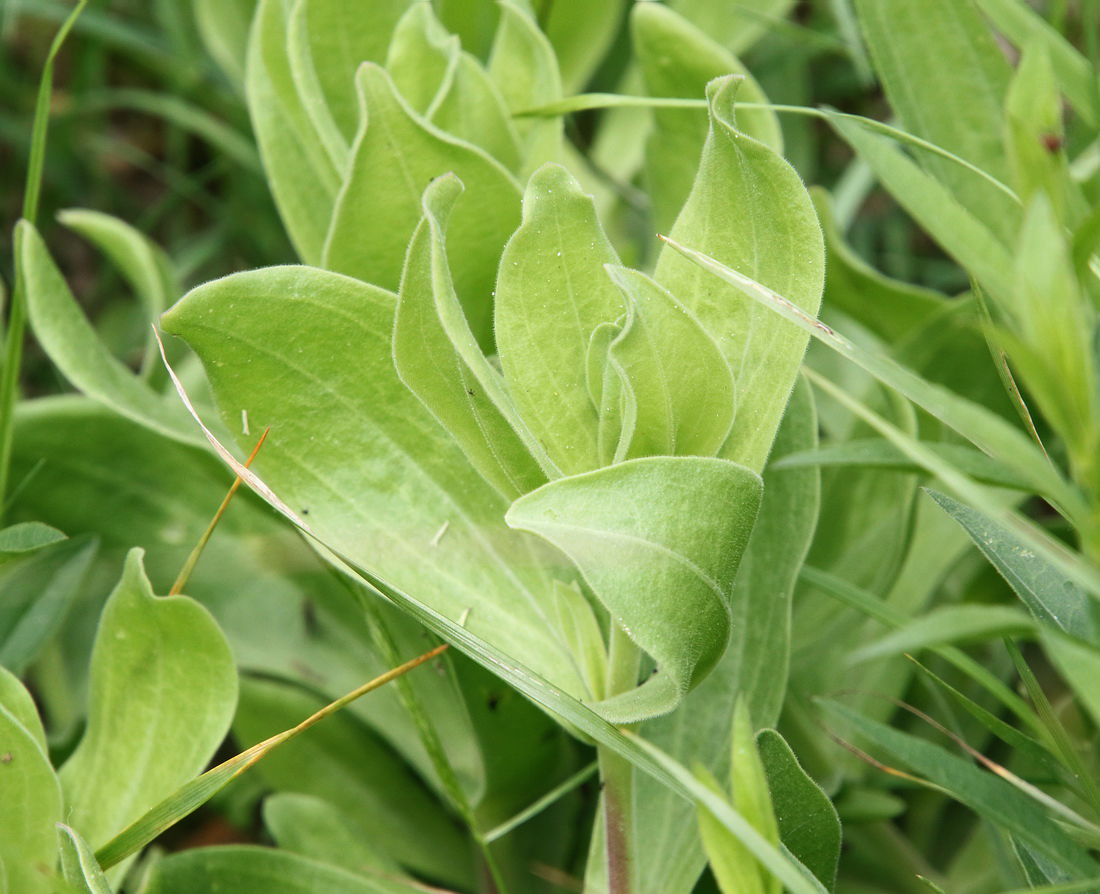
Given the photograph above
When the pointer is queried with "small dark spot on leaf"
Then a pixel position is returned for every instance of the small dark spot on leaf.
(1052, 142)
(470, 391)
(6, 757)
(493, 701)
(309, 617)
(305, 512)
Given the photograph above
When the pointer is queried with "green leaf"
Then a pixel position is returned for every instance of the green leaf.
(19, 703)
(670, 855)
(30, 805)
(733, 864)
(734, 25)
(73, 345)
(749, 210)
(957, 103)
(438, 359)
(395, 155)
(250, 869)
(35, 597)
(422, 58)
(1079, 665)
(948, 624)
(78, 864)
(808, 823)
(1076, 74)
(344, 429)
(342, 762)
(582, 34)
(1046, 592)
(300, 174)
(307, 84)
(678, 60)
(878, 453)
(641, 520)
(223, 26)
(26, 537)
(552, 293)
(681, 382)
(163, 689)
(524, 68)
(315, 828)
(992, 798)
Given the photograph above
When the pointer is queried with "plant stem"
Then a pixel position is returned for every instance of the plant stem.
(617, 773)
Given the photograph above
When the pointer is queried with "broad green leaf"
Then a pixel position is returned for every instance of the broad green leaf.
(524, 68)
(1044, 590)
(422, 58)
(888, 307)
(749, 210)
(641, 519)
(678, 60)
(72, 344)
(954, 225)
(981, 427)
(474, 21)
(581, 34)
(755, 664)
(794, 876)
(735, 25)
(35, 597)
(344, 428)
(315, 828)
(30, 805)
(1076, 75)
(473, 110)
(808, 823)
(250, 869)
(341, 38)
(395, 155)
(19, 703)
(307, 84)
(948, 624)
(300, 174)
(341, 761)
(26, 537)
(78, 864)
(679, 379)
(551, 294)
(992, 798)
(162, 694)
(878, 453)
(958, 103)
(437, 357)
(223, 26)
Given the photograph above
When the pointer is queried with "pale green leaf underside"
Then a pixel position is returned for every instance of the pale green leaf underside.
(643, 520)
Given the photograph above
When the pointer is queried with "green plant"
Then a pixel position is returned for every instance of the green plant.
(587, 458)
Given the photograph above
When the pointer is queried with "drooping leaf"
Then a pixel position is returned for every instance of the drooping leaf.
(73, 345)
(678, 60)
(683, 389)
(30, 805)
(552, 293)
(751, 211)
(162, 694)
(394, 157)
(437, 357)
(344, 428)
(1044, 590)
(641, 519)
(808, 823)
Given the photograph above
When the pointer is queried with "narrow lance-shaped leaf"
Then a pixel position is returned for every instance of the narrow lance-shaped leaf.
(750, 211)
(437, 357)
(394, 157)
(552, 294)
(644, 519)
(163, 689)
